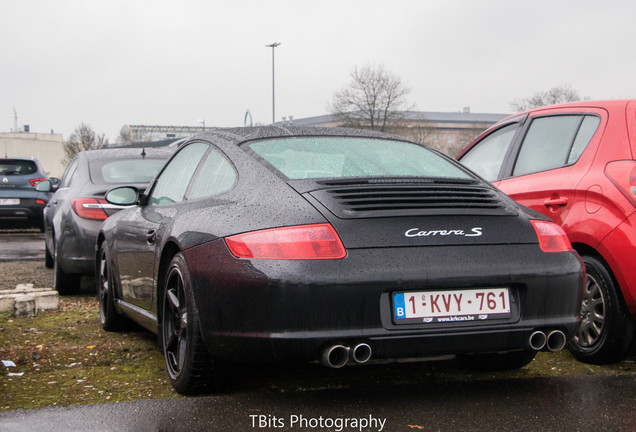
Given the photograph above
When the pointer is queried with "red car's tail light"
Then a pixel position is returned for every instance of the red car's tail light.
(34, 181)
(318, 241)
(551, 236)
(623, 175)
(89, 208)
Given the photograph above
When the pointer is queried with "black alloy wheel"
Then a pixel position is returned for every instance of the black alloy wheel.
(108, 316)
(606, 334)
(188, 362)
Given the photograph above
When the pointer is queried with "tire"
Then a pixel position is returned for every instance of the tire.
(188, 362)
(48, 257)
(64, 283)
(108, 316)
(493, 362)
(606, 333)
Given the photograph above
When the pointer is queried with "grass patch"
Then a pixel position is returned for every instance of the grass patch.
(64, 357)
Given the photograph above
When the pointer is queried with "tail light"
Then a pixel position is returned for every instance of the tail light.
(35, 181)
(551, 236)
(318, 241)
(623, 175)
(89, 208)
(41, 202)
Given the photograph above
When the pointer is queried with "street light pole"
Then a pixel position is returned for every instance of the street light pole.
(272, 46)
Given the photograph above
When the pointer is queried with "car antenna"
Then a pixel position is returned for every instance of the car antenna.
(143, 153)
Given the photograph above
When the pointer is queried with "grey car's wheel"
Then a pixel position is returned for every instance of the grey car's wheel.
(48, 257)
(108, 316)
(491, 362)
(188, 362)
(607, 330)
(62, 282)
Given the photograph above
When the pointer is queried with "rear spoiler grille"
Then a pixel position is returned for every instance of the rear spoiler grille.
(386, 200)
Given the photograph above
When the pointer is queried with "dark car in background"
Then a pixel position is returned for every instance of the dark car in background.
(21, 205)
(576, 163)
(77, 208)
(336, 245)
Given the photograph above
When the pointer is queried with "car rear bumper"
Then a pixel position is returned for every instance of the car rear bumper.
(292, 310)
(75, 245)
(28, 212)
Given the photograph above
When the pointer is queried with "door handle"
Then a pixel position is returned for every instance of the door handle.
(555, 202)
(151, 236)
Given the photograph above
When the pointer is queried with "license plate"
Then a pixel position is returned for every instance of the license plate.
(9, 201)
(451, 306)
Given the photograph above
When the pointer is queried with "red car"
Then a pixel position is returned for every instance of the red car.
(576, 164)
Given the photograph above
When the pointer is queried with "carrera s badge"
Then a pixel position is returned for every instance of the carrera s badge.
(416, 232)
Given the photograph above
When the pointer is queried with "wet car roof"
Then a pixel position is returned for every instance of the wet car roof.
(120, 152)
(240, 135)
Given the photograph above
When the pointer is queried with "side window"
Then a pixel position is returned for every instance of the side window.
(69, 173)
(216, 176)
(583, 138)
(486, 157)
(171, 185)
(553, 142)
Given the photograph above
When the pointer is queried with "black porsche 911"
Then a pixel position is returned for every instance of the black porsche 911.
(334, 245)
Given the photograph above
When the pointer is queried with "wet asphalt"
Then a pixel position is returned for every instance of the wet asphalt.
(542, 404)
(21, 245)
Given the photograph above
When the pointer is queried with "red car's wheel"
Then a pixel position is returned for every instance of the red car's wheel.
(607, 330)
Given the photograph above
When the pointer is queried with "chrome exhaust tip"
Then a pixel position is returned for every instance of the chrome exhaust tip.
(537, 340)
(335, 356)
(556, 340)
(361, 353)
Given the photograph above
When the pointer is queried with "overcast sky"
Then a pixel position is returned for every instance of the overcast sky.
(110, 63)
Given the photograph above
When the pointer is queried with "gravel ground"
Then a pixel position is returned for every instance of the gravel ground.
(34, 272)
(13, 273)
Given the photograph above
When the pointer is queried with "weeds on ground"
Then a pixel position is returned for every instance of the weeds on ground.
(64, 357)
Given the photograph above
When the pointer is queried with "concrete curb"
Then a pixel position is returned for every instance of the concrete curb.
(25, 301)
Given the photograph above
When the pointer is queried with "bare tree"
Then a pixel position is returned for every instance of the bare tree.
(420, 132)
(556, 95)
(83, 138)
(125, 136)
(374, 97)
(133, 134)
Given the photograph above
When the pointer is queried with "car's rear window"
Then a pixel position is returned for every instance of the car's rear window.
(17, 167)
(349, 157)
(124, 170)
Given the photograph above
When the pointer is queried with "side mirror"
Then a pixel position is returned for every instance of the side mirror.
(123, 196)
(44, 186)
(49, 185)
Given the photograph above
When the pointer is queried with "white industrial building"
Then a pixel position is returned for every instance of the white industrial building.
(48, 148)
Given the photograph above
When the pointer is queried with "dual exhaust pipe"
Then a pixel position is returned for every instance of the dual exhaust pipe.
(553, 340)
(337, 356)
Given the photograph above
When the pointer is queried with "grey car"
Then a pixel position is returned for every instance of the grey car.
(20, 203)
(77, 209)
